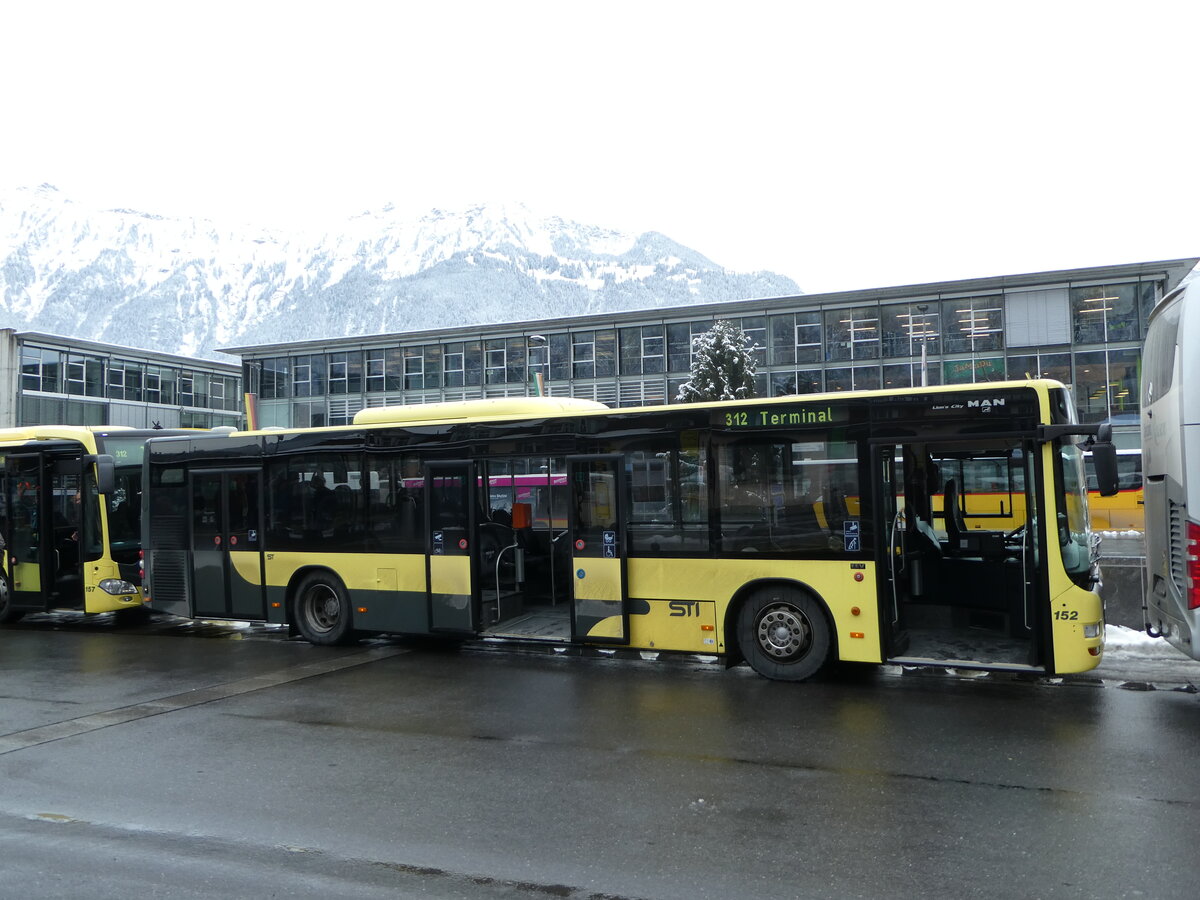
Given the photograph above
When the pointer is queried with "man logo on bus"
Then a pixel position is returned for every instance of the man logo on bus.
(986, 404)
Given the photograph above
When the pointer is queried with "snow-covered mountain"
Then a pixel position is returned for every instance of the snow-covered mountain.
(187, 286)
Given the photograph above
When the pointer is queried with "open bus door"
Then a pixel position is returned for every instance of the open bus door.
(450, 547)
(597, 533)
(952, 593)
(227, 559)
(28, 544)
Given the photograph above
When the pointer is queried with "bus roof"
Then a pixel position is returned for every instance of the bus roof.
(82, 434)
(497, 409)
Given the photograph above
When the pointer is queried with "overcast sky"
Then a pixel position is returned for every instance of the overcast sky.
(843, 144)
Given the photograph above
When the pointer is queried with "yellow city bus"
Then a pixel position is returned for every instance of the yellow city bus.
(992, 493)
(786, 532)
(1126, 509)
(70, 519)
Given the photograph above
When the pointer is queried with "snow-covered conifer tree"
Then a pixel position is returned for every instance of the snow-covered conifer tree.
(722, 365)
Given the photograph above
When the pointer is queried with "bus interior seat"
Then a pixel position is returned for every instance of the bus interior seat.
(923, 558)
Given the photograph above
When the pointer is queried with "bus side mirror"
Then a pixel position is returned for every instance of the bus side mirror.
(106, 476)
(1104, 459)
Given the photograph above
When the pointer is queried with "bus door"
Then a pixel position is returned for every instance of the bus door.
(889, 501)
(597, 534)
(450, 489)
(951, 592)
(227, 559)
(29, 543)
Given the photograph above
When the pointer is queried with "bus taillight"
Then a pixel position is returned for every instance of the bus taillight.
(1193, 565)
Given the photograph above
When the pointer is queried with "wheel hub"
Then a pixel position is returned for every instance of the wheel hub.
(323, 609)
(783, 632)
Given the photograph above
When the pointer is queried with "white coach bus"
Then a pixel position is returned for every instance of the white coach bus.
(1171, 466)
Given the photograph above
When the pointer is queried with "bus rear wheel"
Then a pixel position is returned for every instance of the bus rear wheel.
(783, 633)
(7, 613)
(322, 610)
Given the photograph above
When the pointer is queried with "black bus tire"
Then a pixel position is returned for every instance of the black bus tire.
(7, 613)
(321, 611)
(783, 633)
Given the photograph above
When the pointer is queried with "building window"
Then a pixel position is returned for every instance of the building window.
(200, 389)
(116, 381)
(133, 382)
(42, 370)
(494, 361)
(1148, 298)
(273, 378)
(583, 354)
(852, 333)
(308, 376)
(337, 373)
(973, 324)
(909, 374)
(473, 362)
(307, 414)
(852, 378)
(560, 357)
(909, 326)
(1041, 365)
(755, 329)
(1123, 368)
(1105, 314)
(454, 360)
(433, 366)
(376, 366)
(153, 386)
(515, 362)
(973, 371)
(803, 381)
(1091, 385)
(414, 369)
(345, 373)
(643, 350)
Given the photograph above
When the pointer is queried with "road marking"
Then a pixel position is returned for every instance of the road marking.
(43, 734)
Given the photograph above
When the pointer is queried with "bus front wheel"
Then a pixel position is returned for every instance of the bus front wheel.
(7, 613)
(783, 633)
(322, 610)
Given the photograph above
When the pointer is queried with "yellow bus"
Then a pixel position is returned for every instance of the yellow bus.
(991, 494)
(787, 533)
(1126, 509)
(70, 519)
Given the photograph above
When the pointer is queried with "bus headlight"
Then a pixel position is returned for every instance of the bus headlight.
(117, 586)
(1092, 630)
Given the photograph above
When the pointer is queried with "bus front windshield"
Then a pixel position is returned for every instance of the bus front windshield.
(124, 507)
(1074, 524)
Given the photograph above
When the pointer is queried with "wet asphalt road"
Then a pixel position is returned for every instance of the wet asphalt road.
(183, 760)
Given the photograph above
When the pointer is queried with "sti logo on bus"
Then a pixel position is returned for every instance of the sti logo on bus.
(684, 607)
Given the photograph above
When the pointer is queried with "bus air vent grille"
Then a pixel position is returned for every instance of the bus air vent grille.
(1177, 546)
(169, 533)
(170, 576)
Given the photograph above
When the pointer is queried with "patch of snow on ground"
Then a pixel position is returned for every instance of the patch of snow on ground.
(1129, 643)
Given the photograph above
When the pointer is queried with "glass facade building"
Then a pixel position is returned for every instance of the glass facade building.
(1083, 327)
(52, 380)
